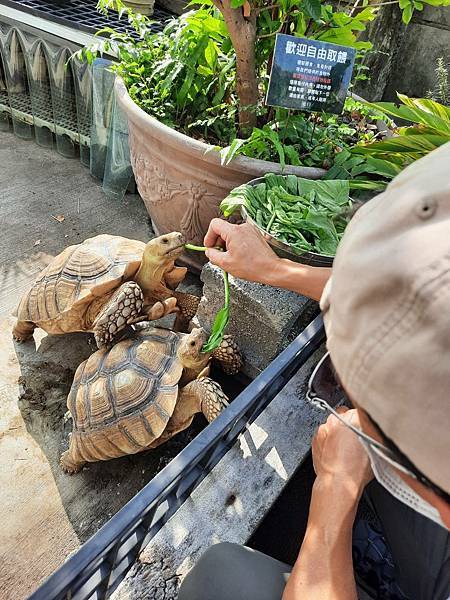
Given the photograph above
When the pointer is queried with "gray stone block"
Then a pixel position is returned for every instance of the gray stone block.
(263, 320)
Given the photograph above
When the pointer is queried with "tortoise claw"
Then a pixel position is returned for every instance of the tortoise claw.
(68, 465)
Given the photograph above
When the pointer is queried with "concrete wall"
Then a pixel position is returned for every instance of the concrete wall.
(407, 55)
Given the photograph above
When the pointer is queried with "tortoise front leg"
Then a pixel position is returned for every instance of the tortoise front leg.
(213, 400)
(116, 317)
(124, 308)
(188, 305)
(228, 356)
(201, 395)
(23, 330)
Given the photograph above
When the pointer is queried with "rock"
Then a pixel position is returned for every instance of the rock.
(263, 319)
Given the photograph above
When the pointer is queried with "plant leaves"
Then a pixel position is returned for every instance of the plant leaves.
(312, 8)
(304, 213)
(221, 320)
(381, 167)
(422, 143)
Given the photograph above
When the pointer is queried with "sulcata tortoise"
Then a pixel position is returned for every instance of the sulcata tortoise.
(103, 284)
(141, 393)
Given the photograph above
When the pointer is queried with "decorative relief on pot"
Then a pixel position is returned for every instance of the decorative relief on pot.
(160, 192)
(202, 207)
(153, 184)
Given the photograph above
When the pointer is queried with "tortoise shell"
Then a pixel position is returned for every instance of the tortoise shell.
(77, 276)
(121, 399)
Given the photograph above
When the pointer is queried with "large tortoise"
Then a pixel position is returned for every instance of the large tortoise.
(103, 284)
(140, 393)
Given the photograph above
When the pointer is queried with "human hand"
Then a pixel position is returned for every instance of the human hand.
(339, 456)
(247, 255)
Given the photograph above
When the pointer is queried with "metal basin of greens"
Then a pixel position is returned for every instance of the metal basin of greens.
(302, 220)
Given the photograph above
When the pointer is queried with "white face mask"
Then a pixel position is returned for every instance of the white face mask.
(388, 477)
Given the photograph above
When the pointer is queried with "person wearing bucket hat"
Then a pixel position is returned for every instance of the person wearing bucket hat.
(386, 314)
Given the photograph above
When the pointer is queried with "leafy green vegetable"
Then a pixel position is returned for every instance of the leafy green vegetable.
(308, 215)
(223, 316)
(221, 320)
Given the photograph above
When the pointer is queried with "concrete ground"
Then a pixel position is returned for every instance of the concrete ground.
(46, 203)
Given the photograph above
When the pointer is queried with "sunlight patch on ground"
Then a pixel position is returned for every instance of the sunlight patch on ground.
(273, 459)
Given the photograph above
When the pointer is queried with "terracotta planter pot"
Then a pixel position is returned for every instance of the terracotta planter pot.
(181, 179)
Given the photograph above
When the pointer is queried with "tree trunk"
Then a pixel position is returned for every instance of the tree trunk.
(242, 32)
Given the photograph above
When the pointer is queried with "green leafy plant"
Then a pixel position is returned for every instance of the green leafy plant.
(308, 140)
(384, 159)
(223, 316)
(206, 74)
(308, 215)
(408, 7)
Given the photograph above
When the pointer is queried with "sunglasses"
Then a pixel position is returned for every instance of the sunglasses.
(325, 393)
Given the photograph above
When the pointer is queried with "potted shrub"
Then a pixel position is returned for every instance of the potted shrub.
(194, 95)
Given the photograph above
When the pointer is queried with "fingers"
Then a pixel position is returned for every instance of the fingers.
(218, 230)
(218, 258)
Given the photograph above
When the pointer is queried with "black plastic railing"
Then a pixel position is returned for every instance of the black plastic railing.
(98, 567)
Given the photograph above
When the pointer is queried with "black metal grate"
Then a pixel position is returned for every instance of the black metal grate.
(4, 101)
(82, 14)
(100, 565)
(41, 101)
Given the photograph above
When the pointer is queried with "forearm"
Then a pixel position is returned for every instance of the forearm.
(303, 279)
(324, 567)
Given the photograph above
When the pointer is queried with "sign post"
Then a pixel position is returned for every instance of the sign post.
(310, 75)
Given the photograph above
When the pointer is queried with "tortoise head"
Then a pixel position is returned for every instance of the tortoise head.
(165, 247)
(190, 350)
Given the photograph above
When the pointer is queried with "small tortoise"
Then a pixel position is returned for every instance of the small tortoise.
(139, 394)
(103, 284)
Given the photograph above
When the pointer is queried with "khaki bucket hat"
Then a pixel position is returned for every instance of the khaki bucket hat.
(387, 313)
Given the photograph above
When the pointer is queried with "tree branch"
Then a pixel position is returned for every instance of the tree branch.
(263, 8)
(267, 35)
(242, 32)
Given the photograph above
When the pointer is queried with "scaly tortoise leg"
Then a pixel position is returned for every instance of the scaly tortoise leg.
(201, 395)
(228, 356)
(70, 460)
(23, 330)
(124, 308)
(213, 399)
(188, 305)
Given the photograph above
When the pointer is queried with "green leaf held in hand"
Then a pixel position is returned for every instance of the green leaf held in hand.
(223, 316)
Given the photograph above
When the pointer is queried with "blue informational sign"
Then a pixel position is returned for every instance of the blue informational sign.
(310, 75)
